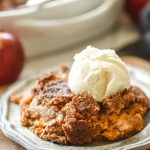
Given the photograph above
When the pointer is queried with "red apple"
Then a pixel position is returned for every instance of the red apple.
(11, 58)
(134, 7)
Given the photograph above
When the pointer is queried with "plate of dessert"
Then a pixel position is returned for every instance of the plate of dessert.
(98, 102)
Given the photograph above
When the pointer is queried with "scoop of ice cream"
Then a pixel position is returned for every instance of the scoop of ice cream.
(99, 73)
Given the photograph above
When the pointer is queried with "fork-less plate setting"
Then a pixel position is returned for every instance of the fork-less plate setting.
(10, 120)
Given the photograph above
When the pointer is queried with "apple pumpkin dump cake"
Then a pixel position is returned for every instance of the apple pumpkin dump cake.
(91, 100)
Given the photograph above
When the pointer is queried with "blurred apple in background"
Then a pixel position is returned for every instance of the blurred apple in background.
(134, 8)
(11, 58)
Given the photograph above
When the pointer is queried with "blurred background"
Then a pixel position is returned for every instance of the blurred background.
(38, 34)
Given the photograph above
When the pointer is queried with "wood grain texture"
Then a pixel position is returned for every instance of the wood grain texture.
(136, 61)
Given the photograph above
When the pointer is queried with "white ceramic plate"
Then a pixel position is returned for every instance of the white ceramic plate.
(10, 122)
(66, 22)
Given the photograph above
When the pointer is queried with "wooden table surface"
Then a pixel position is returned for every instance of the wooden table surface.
(7, 144)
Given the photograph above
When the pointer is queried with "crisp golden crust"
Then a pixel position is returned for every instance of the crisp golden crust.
(11, 4)
(115, 103)
(81, 121)
(55, 114)
(122, 113)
